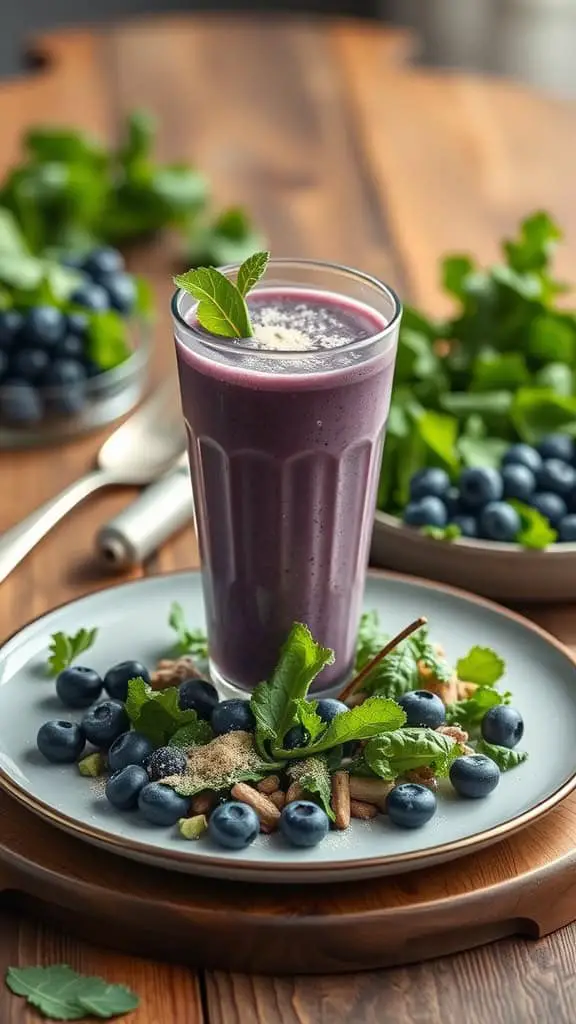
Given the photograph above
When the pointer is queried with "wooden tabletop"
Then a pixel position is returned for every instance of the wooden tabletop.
(342, 151)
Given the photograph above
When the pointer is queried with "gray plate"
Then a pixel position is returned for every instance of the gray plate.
(132, 623)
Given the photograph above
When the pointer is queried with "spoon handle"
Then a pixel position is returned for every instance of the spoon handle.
(18, 541)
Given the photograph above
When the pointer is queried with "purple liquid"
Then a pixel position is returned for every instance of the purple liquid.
(285, 456)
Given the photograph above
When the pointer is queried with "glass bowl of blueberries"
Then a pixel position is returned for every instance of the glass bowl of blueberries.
(68, 366)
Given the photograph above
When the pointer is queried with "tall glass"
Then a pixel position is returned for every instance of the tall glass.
(285, 448)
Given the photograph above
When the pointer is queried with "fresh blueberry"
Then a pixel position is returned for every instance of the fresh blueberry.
(467, 525)
(198, 695)
(65, 373)
(519, 481)
(129, 748)
(160, 805)
(29, 364)
(567, 529)
(551, 506)
(65, 387)
(70, 259)
(121, 290)
(296, 737)
(44, 326)
(328, 708)
(102, 262)
(557, 446)
(474, 775)
(92, 368)
(123, 787)
(233, 825)
(556, 477)
(428, 482)
(20, 403)
(503, 726)
(117, 678)
(423, 709)
(71, 347)
(78, 686)
(452, 502)
(410, 805)
(499, 521)
(91, 296)
(105, 722)
(232, 716)
(10, 324)
(3, 363)
(523, 455)
(480, 485)
(77, 324)
(303, 823)
(166, 761)
(430, 511)
(60, 742)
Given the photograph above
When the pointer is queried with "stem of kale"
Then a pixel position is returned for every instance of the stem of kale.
(354, 683)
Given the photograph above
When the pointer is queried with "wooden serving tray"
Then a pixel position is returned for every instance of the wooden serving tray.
(525, 885)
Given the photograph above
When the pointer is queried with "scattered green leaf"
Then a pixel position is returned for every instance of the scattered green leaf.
(395, 753)
(450, 532)
(60, 993)
(195, 734)
(536, 532)
(157, 714)
(481, 666)
(503, 756)
(313, 774)
(188, 641)
(64, 649)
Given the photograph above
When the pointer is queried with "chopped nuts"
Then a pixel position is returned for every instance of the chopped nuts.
(267, 811)
(269, 785)
(360, 809)
(294, 792)
(448, 692)
(278, 799)
(372, 791)
(203, 803)
(454, 732)
(465, 690)
(173, 671)
(421, 776)
(341, 799)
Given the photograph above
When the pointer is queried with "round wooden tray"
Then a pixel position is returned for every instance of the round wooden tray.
(524, 885)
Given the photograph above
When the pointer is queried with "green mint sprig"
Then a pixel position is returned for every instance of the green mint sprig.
(59, 993)
(64, 649)
(222, 307)
(157, 714)
(188, 641)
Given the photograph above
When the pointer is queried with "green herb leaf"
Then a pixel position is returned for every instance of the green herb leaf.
(376, 715)
(230, 238)
(449, 532)
(456, 271)
(536, 532)
(481, 666)
(470, 712)
(189, 641)
(395, 674)
(60, 993)
(251, 271)
(64, 649)
(504, 758)
(440, 433)
(539, 235)
(195, 734)
(427, 655)
(313, 774)
(221, 308)
(415, 359)
(156, 713)
(370, 640)
(307, 716)
(107, 339)
(395, 753)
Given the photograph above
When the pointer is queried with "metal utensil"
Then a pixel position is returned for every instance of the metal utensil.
(137, 452)
(142, 527)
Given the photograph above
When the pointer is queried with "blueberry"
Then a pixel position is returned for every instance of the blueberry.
(519, 482)
(198, 695)
(499, 521)
(160, 805)
(71, 347)
(423, 709)
(70, 259)
(20, 403)
(552, 506)
(452, 501)
(129, 748)
(60, 742)
(567, 529)
(92, 368)
(105, 722)
(43, 326)
(65, 387)
(410, 805)
(232, 716)
(123, 787)
(328, 708)
(103, 261)
(91, 296)
(428, 482)
(121, 290)
(10, 326)
(503, 726)
(65, 373)
(303, 823)
(233, 825)
(522, 455)
(117, 678)
(29, 364)
(467, 524)
(77, 324)
(3, 363)
(429, 511)
(557, 446)
(296, 737)
(78, 686)
(556, 477)
(474, 775)
(480, 485)
(166, 761)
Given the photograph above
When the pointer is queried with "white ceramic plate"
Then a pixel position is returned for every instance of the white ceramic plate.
(505, 572)
(132, 622)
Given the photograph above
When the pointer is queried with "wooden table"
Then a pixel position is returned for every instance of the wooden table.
(344, 152)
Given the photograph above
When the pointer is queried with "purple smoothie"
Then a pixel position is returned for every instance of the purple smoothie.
(285, 451)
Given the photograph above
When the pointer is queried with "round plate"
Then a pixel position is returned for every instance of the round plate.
(506, 572)
(132, 623)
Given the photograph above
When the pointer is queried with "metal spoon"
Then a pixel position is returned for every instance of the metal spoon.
(137, 452)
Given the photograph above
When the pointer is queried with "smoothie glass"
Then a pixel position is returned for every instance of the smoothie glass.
(285, 447)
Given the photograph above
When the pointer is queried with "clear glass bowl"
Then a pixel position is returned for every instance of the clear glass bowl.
(70, 411)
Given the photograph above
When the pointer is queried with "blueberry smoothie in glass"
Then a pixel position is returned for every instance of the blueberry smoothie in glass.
(285, 436)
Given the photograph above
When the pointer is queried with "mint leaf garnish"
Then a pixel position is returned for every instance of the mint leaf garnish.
(195, 734)
(376, 715)
(313, 774)
(504, 758)
(64, 649)
(156, 713)
(470, 712)
(307, 716)
(481, 666)
(189, 641)
(395, 753)
(536, 532)
(251, 271)
(222, 308)
(60, 993)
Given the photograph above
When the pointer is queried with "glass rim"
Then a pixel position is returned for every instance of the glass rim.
(223, 346)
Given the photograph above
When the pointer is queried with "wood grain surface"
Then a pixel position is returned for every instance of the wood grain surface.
(342, 152)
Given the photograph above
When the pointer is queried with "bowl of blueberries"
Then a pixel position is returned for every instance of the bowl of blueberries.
(68, 366)
(508, 533)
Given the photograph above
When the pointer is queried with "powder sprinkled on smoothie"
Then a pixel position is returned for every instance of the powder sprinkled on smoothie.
(283, 325)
